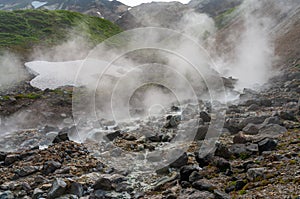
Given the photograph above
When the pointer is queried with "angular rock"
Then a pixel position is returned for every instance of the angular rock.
(256, 174)
(76, 189)
(253, 120)
(58, 188)
(26, 171)
(272, 131)
(241, 138)
(222, 151)
(190, 193)
(61, 137)
(221, 195)
(195, 176)
(201, 132)
(205, 116)
(50, 167)
(7, 195)
(186, 171)
(267, 144)
(181, 161)
(114, 135)
(271, 120)
(251, 129)
(103, 184)
(253, 107)
(221, 164)
(172, 121)
(11, 158)
(2, 156)
(203, 185)
(232, 125)
(37, 193)
(287, 115)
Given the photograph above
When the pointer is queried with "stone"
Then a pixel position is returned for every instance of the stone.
(57, 189)
(221, 195)
(26, 171)
(50, 167)
(195, 176)
(241, 138)
(222, 151)
(76, 189)
(191, 193)
(172, 121)
(252, 120)
(267, 144)
(61, 137)
(239, 185)
(37, 193)
(205, 116)
(232, 125)
(201, 132)
(221, 164)
(181, 161)
(256, 174)
(11, 158)
(239, 150)
(287, 115)
(7, 195)
(253, 107)
(272, 131)
(203, 185)
(103, 184)
(2, 156)
(114, 135)
(251, 129)
(186, 171)
(271, 120)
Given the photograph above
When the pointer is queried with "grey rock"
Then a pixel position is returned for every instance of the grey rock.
(11, 158)
(181, 161)
(253, 107)
(195, 194)
(222, 151)
(256, 174)
(114, 135)
(61, 137)
(58, 188)
(68, 196)
(103, 184)
(37, 193)
(203, 185)
(201, 132)
(241, 138)
(6, 195)
(205, 116)
(221, 195)
(50, 167)
(271, 131)
(2, 156)
(195, 176)
(186, 171)
(271, 120)
(253, 120)
(76, 189)
(287, 115)
(221, 164)
(26, 170)
(267, 144)
(172, 121)
(251, 129)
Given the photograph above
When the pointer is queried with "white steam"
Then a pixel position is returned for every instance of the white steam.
(11, 70)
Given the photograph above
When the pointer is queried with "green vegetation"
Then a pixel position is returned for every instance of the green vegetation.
(23, 29)
(223, 18)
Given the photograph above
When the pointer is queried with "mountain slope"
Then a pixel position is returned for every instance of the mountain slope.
(110, 10)
(23, 29)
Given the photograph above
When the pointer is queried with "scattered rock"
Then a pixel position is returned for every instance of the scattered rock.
(2, 156)
(11, 158)
(103, 184)
(76, 189)
(7, 195)
(181, 161)
(205, 116)
(61, 137)
(221, 195)
(114, 135)
(251, 129)
(51, 166)
(26, 170)
(37, 193)
(58, 188)
(203, 185)
(186, 171)
(267, 144)
(256, 174)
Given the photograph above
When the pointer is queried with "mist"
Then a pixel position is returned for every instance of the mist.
(11, 70)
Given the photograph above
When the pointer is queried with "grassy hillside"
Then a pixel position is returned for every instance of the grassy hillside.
(20, 30)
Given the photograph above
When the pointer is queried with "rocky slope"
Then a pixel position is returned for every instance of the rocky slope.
(110, 10)
(256, 156)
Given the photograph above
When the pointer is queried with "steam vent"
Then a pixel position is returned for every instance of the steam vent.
(140, 99)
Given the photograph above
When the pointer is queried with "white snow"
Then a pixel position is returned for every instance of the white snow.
(38, 4)
(74, 73)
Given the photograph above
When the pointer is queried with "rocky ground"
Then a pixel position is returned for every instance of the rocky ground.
(257, 155)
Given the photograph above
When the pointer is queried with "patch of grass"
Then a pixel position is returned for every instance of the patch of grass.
(244, 156)
(28, 96)
(242, 192)
(222, 18)
(23, 29)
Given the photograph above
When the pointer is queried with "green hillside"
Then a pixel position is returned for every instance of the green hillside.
(20, 30)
